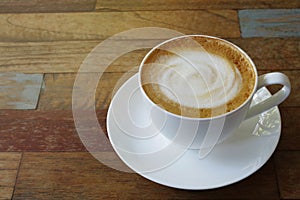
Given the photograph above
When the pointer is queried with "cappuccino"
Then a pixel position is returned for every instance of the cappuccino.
(197, 77)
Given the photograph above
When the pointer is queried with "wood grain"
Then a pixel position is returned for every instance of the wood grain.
(64, 175)
(9, 164)
(41, 154)
(54, 130)
(9, 161)
(100, 25)
(25, 6)
(57, 93)
(38, 132)
(287, 167)
(42, 57)
(272, 53)
(58, 88)
(6, 193)
(270, 23)
(67, 56)
(123, 5)
(19, 91)
(290, 136)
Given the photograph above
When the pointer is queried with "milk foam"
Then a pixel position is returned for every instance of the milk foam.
(197, 79)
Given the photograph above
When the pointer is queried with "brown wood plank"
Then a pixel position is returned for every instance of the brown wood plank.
(19, 91)
(58, 88)
(123, 5)
(6, 193)
(9, 161)
(287, 167)
(58, 130)
(100, 25)
(67, 56)
(33, 130)
(8, 178)
(272, 53)
(57, 92)
(25, 6)
(41, 57)
(63, 57)
(9, 164)
(78, 175)
(53, 130)
(39, 131)
(290, 137)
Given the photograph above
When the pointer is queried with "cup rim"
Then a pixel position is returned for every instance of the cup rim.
(198, 118)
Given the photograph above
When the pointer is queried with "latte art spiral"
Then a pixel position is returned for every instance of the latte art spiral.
(197, 79)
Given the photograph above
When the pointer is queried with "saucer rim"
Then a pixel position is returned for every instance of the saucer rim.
(147, 175)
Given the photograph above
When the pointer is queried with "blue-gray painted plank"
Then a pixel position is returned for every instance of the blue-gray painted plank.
(19, 91)
(270, 23)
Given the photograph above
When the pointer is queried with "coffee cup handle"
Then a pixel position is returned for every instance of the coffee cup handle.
(274, 100)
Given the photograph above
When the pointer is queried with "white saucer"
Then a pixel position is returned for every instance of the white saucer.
(236, 158)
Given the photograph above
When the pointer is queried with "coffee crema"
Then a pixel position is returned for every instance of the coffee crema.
(197, 77)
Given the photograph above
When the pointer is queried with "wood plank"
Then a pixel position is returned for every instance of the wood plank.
(272, 53)
(57, 93)
(19, 91)
(39, 131)
(51, 130)
(6, 193)
(25, 6)
(287, 167)
(78, 175)
(41, 57)
(67, 56)
(33, 130)
(7, 178)
(9, 164)
(290, 137)
(9, 161)
(58, 88)
(123, 5)
(100, 25)
(270, 23)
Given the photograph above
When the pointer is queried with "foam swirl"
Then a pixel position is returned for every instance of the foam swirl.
(198, 79)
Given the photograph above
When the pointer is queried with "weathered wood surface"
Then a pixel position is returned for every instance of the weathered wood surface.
(270, 23)
(58, 89)
(20, 91)
(287, 167)
(41, 154)
(67, 56)
(124, 5)
(9, 165)
(55, 131)
(25, 6)
(52, 130)
(75, 175)
(101, 25)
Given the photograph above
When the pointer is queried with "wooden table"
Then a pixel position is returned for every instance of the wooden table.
(42, 45)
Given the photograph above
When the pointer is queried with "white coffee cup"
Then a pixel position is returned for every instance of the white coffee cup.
(204, 133)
